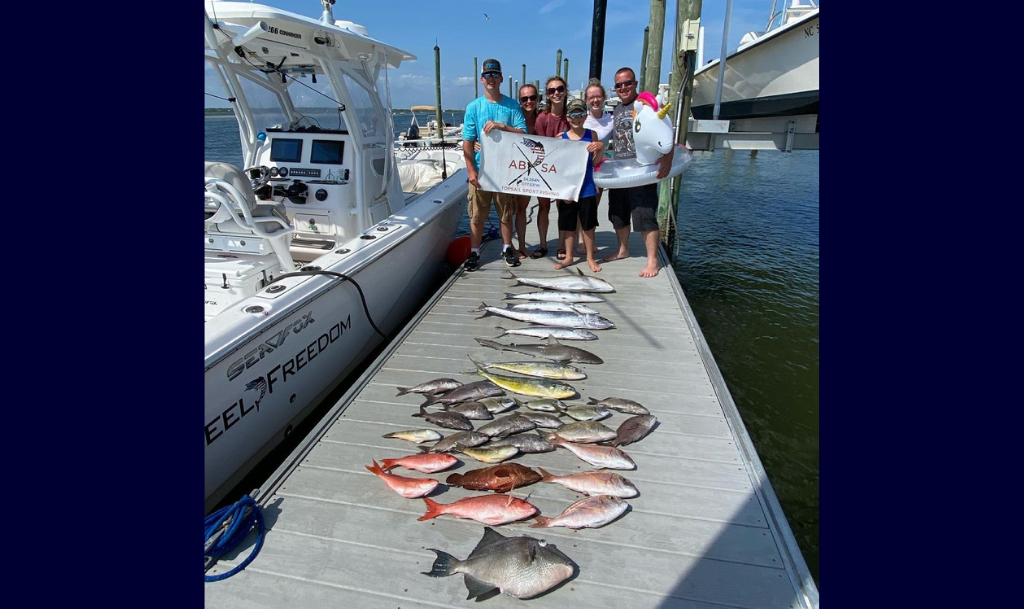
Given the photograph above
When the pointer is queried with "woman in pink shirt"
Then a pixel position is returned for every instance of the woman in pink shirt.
(550, 123)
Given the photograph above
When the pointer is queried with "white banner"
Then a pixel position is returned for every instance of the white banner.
(521, 164)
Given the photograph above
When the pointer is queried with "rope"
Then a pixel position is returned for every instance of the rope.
(226, 528)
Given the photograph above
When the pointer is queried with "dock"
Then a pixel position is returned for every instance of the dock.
(705, 532)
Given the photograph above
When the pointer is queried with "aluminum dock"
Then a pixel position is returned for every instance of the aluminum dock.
(705, 532)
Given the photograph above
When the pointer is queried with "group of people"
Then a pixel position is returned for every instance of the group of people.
(578, 119)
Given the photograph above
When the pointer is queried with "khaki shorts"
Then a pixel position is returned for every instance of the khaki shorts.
(480, 205)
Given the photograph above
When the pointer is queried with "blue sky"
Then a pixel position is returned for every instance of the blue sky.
(517, 32)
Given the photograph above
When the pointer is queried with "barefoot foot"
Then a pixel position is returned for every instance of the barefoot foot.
(594, 266)
(616, 256)
(650, 270)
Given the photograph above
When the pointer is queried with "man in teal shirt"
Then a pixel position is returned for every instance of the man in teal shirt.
(490, 111)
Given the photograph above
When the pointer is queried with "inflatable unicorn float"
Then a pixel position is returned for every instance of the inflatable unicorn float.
(653, 137)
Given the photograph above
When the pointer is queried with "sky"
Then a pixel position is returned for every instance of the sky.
(516, 32)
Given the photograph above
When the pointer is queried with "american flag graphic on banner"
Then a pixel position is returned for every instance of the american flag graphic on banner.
(537, 148)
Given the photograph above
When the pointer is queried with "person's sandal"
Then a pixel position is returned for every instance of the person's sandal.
(540, 252)
(561, 254)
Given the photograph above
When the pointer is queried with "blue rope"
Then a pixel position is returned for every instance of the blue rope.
(236, 530)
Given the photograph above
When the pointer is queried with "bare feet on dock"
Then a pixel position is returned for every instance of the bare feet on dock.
(594, 266)
(650, 270)
(616, 256)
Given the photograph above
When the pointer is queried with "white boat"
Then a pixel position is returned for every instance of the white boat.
(429, 135)
(314, 254)
(771, 73)
(426, 155)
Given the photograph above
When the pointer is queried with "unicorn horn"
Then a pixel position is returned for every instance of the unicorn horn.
(664, 110)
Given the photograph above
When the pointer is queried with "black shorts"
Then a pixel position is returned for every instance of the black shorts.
(639, 203)
(585, 208)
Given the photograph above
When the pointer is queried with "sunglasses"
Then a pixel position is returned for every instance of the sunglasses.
(558, 89)
(491, 75)
(594, 99)
(576, 114)
(624, 84)
(527, 98)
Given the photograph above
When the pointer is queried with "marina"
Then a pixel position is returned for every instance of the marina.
(704, 526)
(705, 530)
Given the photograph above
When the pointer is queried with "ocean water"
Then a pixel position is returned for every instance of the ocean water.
(748, 262)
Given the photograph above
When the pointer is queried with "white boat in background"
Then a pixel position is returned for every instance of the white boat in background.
(426, 155)
(771, 73)
(429, 135)
(314, 253)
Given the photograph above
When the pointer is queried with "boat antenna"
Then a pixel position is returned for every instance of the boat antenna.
(328, 16)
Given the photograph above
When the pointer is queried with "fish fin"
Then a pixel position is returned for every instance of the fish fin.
(425, 449)
(444, 565)
(375, 468)
(387, 464)
(454, 480)
(593, 401)
(402, 391)
(543, 522)
(432, 398)
(434, 509)
(490, 538)
(545, 476)
(477, 589)
(503, 331)
(422, 413)
(580, 271)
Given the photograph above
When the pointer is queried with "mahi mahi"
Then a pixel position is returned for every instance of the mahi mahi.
(552, 350)
(547, 370)
(523, 567)
(580, 283)
(543, 388)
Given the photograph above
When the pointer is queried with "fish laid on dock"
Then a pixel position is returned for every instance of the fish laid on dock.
(434, 386)
(410, 488)
(563, 319)
(451, 420)
(467, 393)
(474, 411)
(547, 370)
(552, 350)
(522, 567)
(499, 405)
(507, 425)
(495, 509)
(525, 442)
(554, 306)
(415, 435)
(424, 462)
(593, 483)
(580, 283)
(585, 432)
(634, 429)
(544, 420)
(589, 513)
(588, 413)
(607, 457)
(538, 387)
(465, 438)
(547, 405)
(545, 331)
(498, 478)
(487, 453)
(554, 296)
(620, 404)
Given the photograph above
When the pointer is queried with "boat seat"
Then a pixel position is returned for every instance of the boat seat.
(232, 210)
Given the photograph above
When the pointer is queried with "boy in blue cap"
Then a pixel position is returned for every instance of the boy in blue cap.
(492, 110)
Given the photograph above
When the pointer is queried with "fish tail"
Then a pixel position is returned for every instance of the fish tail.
(422, 412)
(402, 391)
(431, 399)
(425, 449)
(434, 509)
(545, 476)
(387, 464)
(503, 331)
(375, 468)
(593, 401)
(542, 522)
(444, 565)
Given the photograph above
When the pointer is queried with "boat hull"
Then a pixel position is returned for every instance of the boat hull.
(266, 371)
(776, 75)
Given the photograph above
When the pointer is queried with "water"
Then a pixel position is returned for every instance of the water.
(748, 261)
